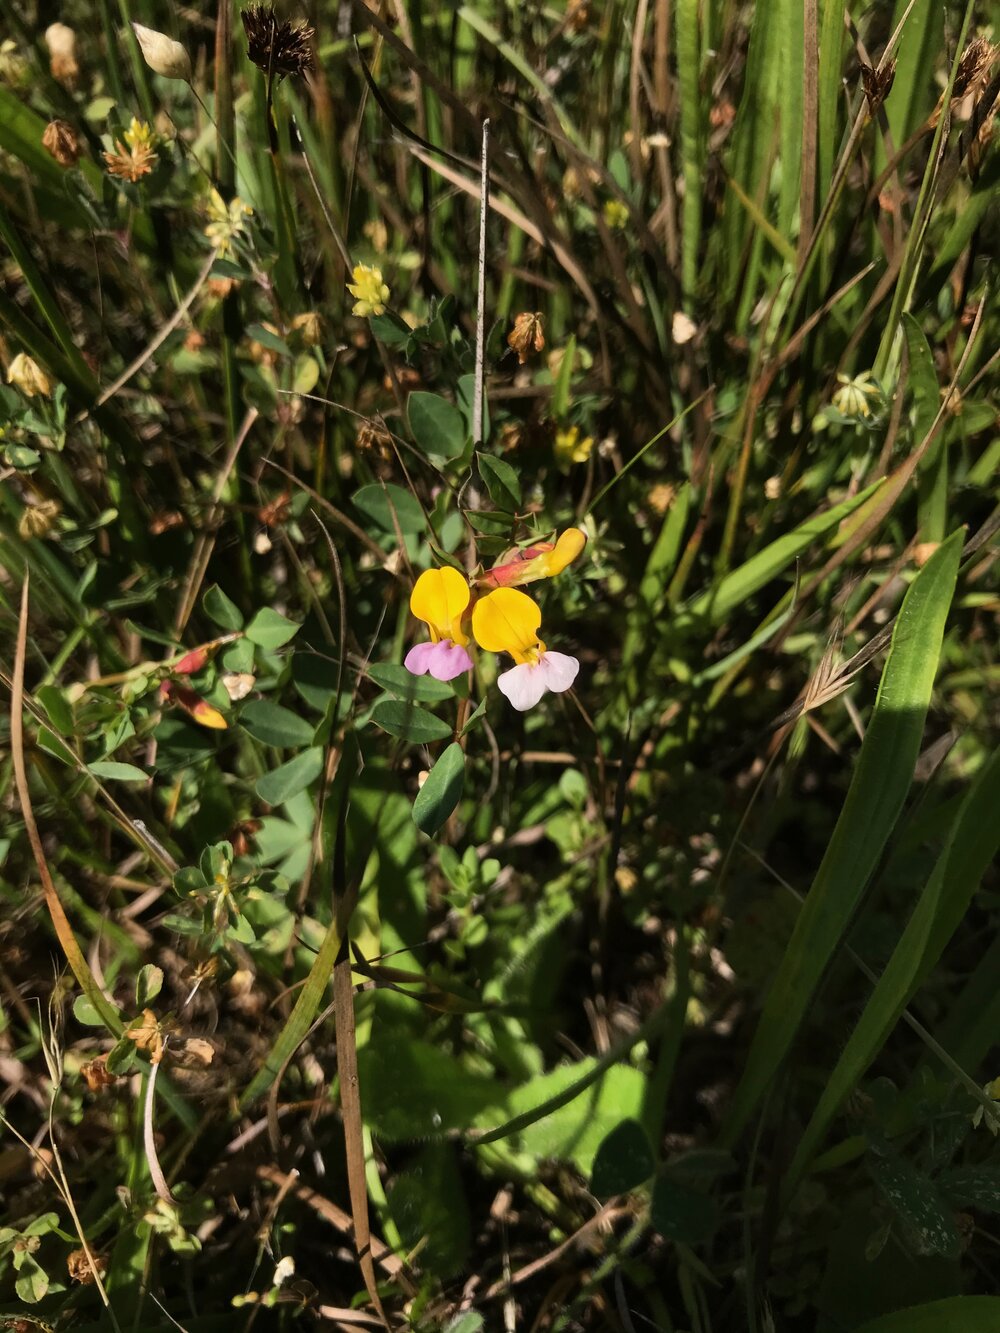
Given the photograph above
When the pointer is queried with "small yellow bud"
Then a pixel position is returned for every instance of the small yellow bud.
(28, 376)
(162, 54)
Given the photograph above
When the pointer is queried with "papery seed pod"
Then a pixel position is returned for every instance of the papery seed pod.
(527, 335)
(61, 141)
(162, 54)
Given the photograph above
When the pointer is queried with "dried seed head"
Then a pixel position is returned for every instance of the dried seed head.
(81, 1267)
(61, 141)
(527, 335)
(976, 60)
(277, 47)
(162, 54)
(877, 84)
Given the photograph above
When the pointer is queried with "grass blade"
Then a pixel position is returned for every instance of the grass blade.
(878, 789)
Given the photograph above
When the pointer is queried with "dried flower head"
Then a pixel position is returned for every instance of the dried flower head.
(369, 291)
(38, 520)
(81, 1266)
(527, 335)
(61, 41)
(27, 375)
(13, 66)
(162, 54)
(309, 328)
(877, 84)
(278, 47)
(61, 141)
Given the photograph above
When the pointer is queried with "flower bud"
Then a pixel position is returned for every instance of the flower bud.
(61, 41)
(28, 376)
(162, 54)
(61, 141)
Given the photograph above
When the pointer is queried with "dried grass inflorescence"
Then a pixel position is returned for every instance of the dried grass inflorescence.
(278, 47)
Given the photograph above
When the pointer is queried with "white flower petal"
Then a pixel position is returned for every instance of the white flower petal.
(522, 685)
(559, 671)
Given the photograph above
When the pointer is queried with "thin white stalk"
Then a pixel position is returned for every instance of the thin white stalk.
(484, 205)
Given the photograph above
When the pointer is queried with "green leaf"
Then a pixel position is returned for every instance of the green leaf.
(679, 1212)
(379, 501)
(972, 1187)
(270, 629)
(501, 481)
(954, 1314)
(881, 780)
(57, 708)
(414, 1089)
(972, 843)
(85, 1013)
(918, 1202)
(437, 426)
(410, 723)
(562, 387)
(220, 610)
(735, 588)
(267, 339)
(568, 1112)
(442, 790)
(275, 725)
(32, 1282)
(148, 985)
(395, 678)
(118, 772)
(281, 784)
(623, 1160)
(427, 1202)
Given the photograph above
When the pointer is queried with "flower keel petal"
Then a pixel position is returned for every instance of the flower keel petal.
(559, 671)
(522, 685)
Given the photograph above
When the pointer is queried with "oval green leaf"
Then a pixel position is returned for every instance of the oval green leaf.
(270, 629)
(219, 609)
(275, 725)
(282, 783)
(442, 790)
(379, 502)
(395, 678)
(409, 723)
(437, 426)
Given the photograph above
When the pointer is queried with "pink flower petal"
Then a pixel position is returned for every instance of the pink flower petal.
(443, 661)
(522, 685)
(559, 671)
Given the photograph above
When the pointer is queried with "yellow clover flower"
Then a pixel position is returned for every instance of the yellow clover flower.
(440, 598)
(569, 448)
(225, 221)
(507, 621)
(369, 291)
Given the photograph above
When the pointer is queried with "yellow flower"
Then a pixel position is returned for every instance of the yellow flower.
(616, 214)
(507, 621)
(140, 134)
(369, 291)
(225, 221)
(136, 157)
(439, 599)
(28, 376)
(570, 448)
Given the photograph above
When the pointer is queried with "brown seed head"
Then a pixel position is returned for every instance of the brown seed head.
(976, 60)
(61, 141)
(37, 520)
(877, 84)
(277, 47)
(81, 1269)
(96, 1074)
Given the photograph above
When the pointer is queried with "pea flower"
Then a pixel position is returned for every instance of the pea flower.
(439, 599)
(369, 291)
(543, 560)
(507, 621)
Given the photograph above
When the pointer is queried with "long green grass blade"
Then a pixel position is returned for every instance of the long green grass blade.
(881, 780)
(972, 844)
(956, 1314)
(689, 71)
